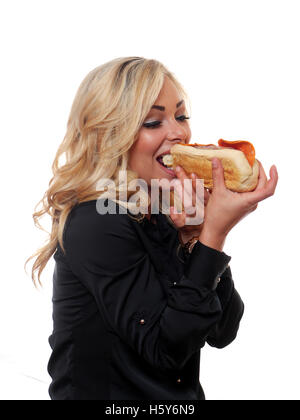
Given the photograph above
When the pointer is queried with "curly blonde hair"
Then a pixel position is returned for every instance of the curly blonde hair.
(108, 110)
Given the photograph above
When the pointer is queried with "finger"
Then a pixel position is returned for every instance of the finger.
(177, 219)
(262, 178)
(193, 193)
(180, 172)
(195, 214)
(178, 196)
(198, 189)
(187, 193)
(206, 196)
(268, 189)
(189, 188)
(218, 175)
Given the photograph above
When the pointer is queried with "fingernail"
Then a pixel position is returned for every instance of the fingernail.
(215, 163)
(177, 168)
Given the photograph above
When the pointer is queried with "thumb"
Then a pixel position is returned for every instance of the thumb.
(218, 174)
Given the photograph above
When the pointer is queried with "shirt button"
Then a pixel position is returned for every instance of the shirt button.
(142, 321)
(178, 380)
(174, 283)
(219, 279)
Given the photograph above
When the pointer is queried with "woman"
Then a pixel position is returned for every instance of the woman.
(135, 296)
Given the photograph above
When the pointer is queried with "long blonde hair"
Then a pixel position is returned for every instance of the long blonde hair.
(107, 112)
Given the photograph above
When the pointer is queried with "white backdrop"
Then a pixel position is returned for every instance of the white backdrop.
(239, 62)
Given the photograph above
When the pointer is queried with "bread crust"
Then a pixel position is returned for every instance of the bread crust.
(238, 174)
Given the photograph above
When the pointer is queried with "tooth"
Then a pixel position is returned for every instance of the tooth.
(168, 160)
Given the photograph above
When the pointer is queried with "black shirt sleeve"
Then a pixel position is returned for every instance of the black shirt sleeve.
(107, 256)
(225, 331)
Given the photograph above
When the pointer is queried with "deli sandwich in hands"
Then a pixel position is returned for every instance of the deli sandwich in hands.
(241, 169)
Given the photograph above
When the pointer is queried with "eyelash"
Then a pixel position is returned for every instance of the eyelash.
(155, 124)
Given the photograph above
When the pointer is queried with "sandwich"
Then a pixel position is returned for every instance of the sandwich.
(241, 169)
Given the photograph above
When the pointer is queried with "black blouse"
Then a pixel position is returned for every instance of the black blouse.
(129, 316)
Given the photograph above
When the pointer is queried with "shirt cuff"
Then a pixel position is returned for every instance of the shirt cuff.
(206, 265)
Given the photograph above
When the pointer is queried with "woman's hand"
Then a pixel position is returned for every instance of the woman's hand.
(226, 208)
(223, 207)
(187, 232)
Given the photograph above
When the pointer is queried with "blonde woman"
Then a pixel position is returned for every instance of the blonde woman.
(135, 295)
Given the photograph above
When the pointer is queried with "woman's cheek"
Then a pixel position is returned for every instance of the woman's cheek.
(151, 143)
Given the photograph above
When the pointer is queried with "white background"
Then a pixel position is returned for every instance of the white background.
(239, 62)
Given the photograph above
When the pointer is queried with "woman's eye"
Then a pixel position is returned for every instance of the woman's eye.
(183, 117)
(154, 124)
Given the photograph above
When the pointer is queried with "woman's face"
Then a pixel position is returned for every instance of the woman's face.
(163, 127)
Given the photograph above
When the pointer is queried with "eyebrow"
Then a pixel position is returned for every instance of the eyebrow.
(162, 108)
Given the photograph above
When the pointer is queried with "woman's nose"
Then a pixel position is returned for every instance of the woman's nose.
(176, 131)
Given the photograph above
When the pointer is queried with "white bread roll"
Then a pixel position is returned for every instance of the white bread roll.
(239, 175)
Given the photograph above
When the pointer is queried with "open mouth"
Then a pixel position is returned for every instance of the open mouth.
(162, 160)
(165, 162)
